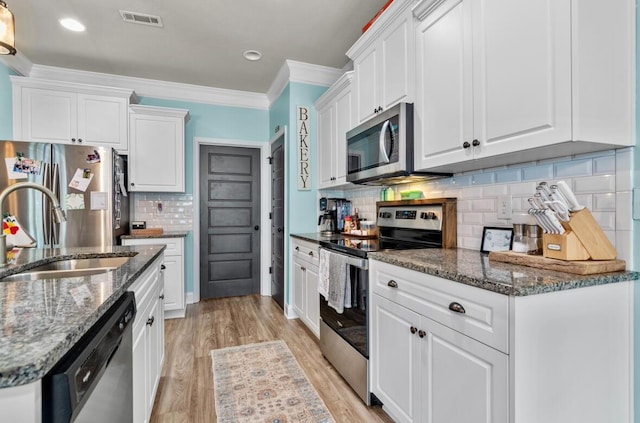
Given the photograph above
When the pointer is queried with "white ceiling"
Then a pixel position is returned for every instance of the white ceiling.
(201, 42)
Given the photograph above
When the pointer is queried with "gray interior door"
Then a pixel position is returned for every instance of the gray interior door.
(277, 220)
(229, 221)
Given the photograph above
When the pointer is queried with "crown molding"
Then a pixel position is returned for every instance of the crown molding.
(305, 73)
(19, 63)
(157, 89)
(342, 83)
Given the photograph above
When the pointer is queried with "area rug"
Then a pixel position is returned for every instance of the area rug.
(264, 383)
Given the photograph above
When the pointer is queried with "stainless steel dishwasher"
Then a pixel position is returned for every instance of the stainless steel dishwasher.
(93, 382)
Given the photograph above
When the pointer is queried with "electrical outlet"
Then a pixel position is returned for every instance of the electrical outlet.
(159, 208)
(505, 209)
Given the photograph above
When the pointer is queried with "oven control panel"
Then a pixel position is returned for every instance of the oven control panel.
(411, 217)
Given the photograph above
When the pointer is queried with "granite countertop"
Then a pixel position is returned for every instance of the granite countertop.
(41, 320)
(165, 234)
(474, 268)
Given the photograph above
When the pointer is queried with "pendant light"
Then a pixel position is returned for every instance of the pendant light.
(7, 30)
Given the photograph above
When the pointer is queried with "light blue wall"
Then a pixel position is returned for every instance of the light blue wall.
(6, 100)
(209, 121)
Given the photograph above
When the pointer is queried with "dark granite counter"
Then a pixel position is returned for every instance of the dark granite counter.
(474, 268)
(41, 320)
(165, 234)
(316, 237)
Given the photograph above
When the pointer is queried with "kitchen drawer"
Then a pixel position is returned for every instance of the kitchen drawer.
(174, 245)
(486, 313)
(307, 251)
(145, 287)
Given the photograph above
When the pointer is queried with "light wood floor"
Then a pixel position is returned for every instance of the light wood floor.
(186, 393)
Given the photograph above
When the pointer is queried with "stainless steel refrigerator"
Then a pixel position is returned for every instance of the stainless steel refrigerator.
(89, 182)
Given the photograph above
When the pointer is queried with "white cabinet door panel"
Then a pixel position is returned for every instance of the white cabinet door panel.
(460, 367)
(398, 64)
(522, 74)
(48, 116)
(298, 287)
(395, 358)
(312, 300)
(173, 282)
(326, 141)
(367, 79)
(101, 122)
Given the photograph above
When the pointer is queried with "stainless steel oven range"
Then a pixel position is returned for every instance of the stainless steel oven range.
(344, 336)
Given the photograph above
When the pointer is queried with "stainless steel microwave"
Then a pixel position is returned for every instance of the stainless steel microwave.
(380, 151)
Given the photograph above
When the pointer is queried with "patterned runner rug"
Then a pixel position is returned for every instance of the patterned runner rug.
(264, 383)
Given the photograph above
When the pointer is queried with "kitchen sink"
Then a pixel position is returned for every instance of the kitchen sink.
(69, 269)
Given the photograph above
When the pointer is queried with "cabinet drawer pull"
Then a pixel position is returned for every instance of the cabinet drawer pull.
(413, 329)
(422, 333)
(150, 320)
(457, 307)
(392, 284)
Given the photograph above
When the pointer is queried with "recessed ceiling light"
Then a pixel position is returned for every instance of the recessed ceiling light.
(72, 25)
(252, 55)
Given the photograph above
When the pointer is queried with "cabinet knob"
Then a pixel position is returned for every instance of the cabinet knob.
(304, 269)
(73, 140)
(79, 139)
(457, 307)
(150, 321)
(132, 184)
(297, 248)
(422, 333)
(413, 329)
(392, 284)
(161, 297)
(311, 253)
(475, 143)
(162, 267)
(466, 144)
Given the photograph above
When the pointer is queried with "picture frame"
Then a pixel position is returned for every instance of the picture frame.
(496, 239)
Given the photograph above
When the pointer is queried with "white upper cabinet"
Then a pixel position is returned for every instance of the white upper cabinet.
(156, 159)
(383, 61)
(335, 118)
(507, 81)
(70, 113)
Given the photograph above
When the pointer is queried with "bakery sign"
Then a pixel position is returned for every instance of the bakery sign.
(303, 115)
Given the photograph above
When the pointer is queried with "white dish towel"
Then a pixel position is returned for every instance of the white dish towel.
(333, 281)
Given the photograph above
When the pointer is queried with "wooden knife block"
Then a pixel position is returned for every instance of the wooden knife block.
(583, 240)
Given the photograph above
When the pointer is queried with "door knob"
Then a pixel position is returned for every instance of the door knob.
(279, 229)
(256, 228)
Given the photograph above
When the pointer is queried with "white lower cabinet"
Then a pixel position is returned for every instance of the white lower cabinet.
(422, 370)
(442, 351)
(306, 300)
(174, 288)
(148, 340)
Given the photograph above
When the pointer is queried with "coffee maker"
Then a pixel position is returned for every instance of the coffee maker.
(334, 210)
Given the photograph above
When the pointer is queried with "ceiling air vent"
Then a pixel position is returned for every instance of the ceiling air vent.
(141, 18)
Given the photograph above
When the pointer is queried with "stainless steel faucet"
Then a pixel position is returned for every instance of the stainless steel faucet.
(58, 213)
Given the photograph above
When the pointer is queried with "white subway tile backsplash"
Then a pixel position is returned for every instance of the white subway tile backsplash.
(604, 202)
(596, 178)
(623, 201)
(539, 172)
(594, 184)
(603, 165)
(483, 205)
(574, 168)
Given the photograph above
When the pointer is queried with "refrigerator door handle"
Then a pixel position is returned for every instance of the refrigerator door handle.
(46, 207)
(56, 190)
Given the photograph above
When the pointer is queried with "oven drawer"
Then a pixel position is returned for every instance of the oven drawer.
(486, 313)
(306, 251)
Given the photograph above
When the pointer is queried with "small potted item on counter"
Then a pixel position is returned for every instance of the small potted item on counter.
(348, 224)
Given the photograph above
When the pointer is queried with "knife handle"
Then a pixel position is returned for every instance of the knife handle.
(574, 205)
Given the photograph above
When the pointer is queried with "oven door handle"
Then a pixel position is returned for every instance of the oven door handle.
(360, 263)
